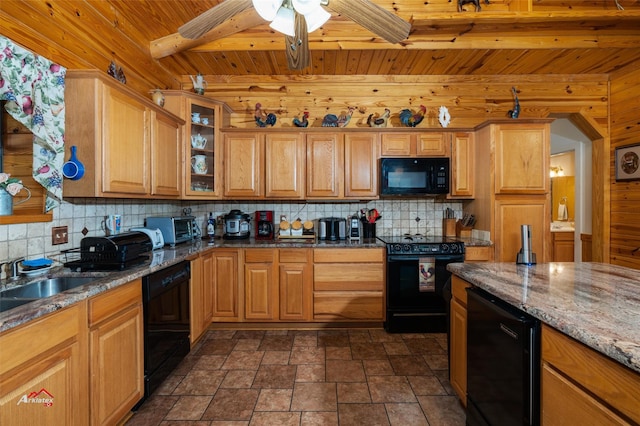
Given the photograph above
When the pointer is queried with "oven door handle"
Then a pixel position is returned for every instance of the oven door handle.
(438, 257)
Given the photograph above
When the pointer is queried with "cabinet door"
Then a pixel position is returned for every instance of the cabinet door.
(225, 288)
(243, 165)
(201, 295)
(361, 165)
(563, 246)
(325, 166)
(513, 212)
(125, 148)
(295, 292)
(166, 156)
(395, 144)
(458, 350)
(260, 292)
(462, 165)
(285, 165)
(432, 144)
(46, 358)
(522, 158)
(117, 366)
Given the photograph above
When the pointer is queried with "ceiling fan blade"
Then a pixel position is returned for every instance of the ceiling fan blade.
(213, 17)
(297, 47)
(379, 21)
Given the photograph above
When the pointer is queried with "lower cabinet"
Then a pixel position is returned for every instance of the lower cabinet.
(201, 294)
(116, 357)
(563, 246)
(296, 284)
(582, 386)
(225, 282)
(348, 284)
(260, 284)
(458, 338)
(43, 370)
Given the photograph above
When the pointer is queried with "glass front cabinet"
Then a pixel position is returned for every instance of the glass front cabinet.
(202, 145)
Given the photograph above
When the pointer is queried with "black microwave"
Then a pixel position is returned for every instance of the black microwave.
(414, 176)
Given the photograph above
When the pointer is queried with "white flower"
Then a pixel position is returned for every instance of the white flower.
(4, 177)
(9, 184)
(14, 188)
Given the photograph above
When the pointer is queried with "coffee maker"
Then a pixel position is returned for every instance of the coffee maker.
(264, 225)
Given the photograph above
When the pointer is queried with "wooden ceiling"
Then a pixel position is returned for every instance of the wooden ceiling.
(578, 37)
(508, 37)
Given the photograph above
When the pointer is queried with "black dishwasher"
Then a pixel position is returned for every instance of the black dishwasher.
(503, 355)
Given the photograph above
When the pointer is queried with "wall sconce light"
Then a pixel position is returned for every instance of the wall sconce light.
(556, 171)
(282, 16)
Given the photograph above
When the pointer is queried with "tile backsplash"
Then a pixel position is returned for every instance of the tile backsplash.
(33, 240)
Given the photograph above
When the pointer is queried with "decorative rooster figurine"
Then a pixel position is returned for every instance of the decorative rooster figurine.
(262, 118)
(515, 112)
(302, 123)
(331, 120)
(409, 119)
(376, 120)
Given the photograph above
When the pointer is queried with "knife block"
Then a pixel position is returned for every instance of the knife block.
(463, 231)
(448, 227)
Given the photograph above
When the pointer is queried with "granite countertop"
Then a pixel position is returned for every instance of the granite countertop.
(158, 260)
(595, 303)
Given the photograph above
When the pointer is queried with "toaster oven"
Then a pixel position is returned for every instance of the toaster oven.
(175, 229)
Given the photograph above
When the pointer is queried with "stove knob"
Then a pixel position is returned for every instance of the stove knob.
(406, 248)
(445, 248)
(454, 248)
(397, 248)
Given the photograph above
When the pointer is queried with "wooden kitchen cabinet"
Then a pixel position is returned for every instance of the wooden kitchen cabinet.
(260, 284)
(243, 165)
(116, 347)
(296, 284)
(325, 165)
(462, 165)
(581, 386)
(128, 145)
(201, 294)
(285, 166)
(225, 284)
(458, 338)
(348, 284)
(424, 144)
(361, 165)
(507, 196)
(213, 116)
(521, 157)
(478, 253)
(46, 358)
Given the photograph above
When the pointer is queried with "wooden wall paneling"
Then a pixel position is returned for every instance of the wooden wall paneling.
(624, 201)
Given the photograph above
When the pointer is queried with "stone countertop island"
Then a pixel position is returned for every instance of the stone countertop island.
(595, 303)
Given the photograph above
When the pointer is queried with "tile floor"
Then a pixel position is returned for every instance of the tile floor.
(298, 377)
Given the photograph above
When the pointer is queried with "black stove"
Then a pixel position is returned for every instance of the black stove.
(421, 244)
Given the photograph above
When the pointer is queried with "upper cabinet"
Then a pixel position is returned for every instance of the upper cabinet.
(325, 165)
(427, 144)
(128, 145)
(243, 165)
(521, 157)
(361, 165)
(462, 165)
(285, 165)
(200, 142)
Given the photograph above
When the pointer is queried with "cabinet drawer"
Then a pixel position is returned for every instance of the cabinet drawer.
(348, 255)
(478, 254)
(614, 383)
(458, 287)
(112, 301)
(259, 255)
(332, 276)
(294, 255)
(345, 305)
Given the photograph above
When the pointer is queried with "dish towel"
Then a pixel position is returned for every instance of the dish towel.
(427, 274)
(562, 212)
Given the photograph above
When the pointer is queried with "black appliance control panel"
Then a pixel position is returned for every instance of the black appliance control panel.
(426, 248)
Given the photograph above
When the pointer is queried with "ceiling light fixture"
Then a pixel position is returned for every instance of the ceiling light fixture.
(556, 171)
(282, 16)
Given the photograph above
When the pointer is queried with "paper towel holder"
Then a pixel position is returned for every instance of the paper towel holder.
(525, 255)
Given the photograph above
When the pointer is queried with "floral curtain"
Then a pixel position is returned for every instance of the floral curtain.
(33, 87)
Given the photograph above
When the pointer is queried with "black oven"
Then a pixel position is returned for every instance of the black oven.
(165, 296)
(416, 304)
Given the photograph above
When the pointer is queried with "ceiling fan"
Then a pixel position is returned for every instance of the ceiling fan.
(297, 18)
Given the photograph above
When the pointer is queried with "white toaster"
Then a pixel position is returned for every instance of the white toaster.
(157, 240)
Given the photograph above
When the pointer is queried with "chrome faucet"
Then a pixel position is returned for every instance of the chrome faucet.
(13, 265)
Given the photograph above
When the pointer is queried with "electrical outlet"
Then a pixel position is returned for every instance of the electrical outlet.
(59, 235)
